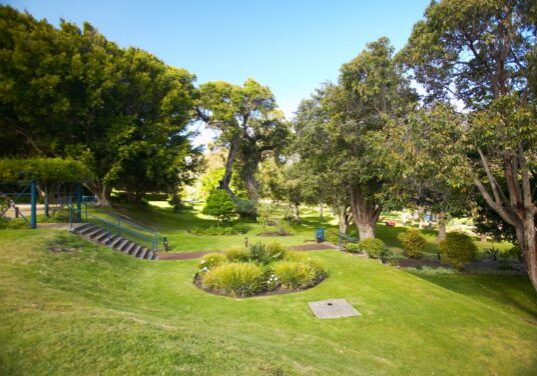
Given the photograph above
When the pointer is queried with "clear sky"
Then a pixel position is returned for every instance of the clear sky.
(292, 46)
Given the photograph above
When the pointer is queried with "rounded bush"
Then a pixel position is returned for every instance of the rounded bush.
(296, 256)
(235, 279)
(297, 275)
(458, 249)
(375, 248)
(237, 254)
(413, 243)
(352, 248)
(212, 260)
(276, 251)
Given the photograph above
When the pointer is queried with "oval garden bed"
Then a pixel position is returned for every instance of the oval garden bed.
(259, 270)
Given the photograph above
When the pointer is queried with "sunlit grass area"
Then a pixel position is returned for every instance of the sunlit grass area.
(90, 310)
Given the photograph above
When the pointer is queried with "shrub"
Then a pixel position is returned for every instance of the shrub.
(352, 248)
(297, 275)
(375, 248)
(212, 260)
(246, 209)
(219, 205)
(413, 243)
(238, 254)
(276, 251)
(13, 224)
(236, 279)
(331, 237)
(458, 249)
(514, 252)
(295, 256)
(259, 254)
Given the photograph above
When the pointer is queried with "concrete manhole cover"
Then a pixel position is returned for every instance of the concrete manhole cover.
(332, 309)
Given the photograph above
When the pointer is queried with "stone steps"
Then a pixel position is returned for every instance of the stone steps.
(99, 235)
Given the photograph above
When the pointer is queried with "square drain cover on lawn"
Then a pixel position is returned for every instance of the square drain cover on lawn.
(333, 309)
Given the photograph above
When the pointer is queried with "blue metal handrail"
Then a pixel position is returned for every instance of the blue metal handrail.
(151, 240)
(341, 237)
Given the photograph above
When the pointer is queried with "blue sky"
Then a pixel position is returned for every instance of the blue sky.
(292, 46)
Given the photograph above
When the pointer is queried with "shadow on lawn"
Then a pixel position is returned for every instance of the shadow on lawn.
(515, 291)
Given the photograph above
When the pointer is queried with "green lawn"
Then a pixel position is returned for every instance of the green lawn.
(94, 311)
(160, 217)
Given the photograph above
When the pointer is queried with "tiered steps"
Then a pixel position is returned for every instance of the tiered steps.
(117, 243)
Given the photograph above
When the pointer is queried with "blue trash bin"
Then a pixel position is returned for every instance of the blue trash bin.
(319, 235)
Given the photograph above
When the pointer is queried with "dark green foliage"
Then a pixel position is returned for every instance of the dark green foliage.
(513, 252)
(69, 92)
(458, 249)
(219, 205)
(238, 229)
(246, 208)
(44, 170)
(259, 253)
(413, 243)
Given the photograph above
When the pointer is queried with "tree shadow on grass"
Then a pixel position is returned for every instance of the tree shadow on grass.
(515, 291)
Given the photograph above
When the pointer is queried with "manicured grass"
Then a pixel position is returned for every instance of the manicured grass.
(94, 311)
(160, 217)
(175, 226)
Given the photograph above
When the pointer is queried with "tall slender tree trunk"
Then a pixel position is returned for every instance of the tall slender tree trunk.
(365, 213)
(441, 218)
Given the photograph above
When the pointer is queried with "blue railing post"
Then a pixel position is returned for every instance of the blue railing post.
(78, 204)
(70, 216)
(46, 202)
(33, 195)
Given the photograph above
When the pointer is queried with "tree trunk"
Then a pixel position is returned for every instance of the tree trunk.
(226, 179)
(517, 207)
(250, 161)
(102, 193)
(441, 218)
(296, 212)
(343, 218)
(365, 213)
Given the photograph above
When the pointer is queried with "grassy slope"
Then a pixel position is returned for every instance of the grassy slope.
(98, 312)
(161, 217)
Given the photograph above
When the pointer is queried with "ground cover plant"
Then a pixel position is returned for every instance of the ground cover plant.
(261, 269)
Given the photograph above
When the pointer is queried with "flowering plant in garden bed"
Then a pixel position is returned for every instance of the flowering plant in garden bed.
(261, 269)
